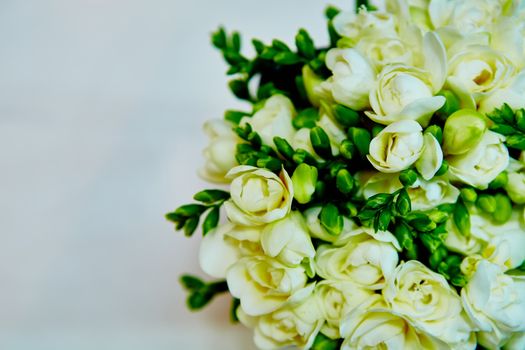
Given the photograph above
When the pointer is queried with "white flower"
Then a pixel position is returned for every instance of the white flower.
(382, 51)
(263, 284)
(426, 299)
(374, 326)
(515, 186)
(318, 231)
(295, 325)
(407, 93)
(431, 159)
(479, 71)
(397, 146)
(288, 240)
(424, 195)
(274, 119)
(352, 77)
(336, 134)
(513, 95)
(258, 196)
(335, 300)
(483, 163)
(367, 259)
(354, 26)
(495, 302)
(220, 153)
(415, 11)
(226, 244)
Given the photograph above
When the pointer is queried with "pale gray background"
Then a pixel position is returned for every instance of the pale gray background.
(101, 106)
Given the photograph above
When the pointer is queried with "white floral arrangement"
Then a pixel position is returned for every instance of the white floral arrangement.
(377, 185)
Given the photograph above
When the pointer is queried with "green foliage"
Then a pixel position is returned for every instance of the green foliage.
(322, 342)
(511, 124)
(201, 293)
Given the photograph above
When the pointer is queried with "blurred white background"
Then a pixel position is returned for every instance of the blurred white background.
(101, 106)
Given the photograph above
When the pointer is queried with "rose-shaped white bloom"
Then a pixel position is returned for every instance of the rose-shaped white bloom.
(415, 11)
(274, 119)
(426, 299)
(478, 71)
(424, 195)
(375, 326)
(431, 158)
(318, 231)
(382, 51)
(352, 77)
(407, 93)
(483, 163)
(263, 284)
(226, 244)
(367, 259)
(354, 26)
(468, 16)
(335, 300)
(220, 153)
(288, 240)
(495, 302)
(396, 147)
(507, 37)
(294, 325)
(258, 196)
(513, 95)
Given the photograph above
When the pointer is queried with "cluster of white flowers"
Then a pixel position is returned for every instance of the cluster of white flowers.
(295, 279)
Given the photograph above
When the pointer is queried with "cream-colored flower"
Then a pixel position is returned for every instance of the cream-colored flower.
(263, 284)
(288, 240)
(335, 300)
(296, 324)
(352, 77)
(483, 163)
(513, 95)
(429, 303)
(274, 119)
(382, 51)
(515, 186)
(301, 139)
(318, 231)
(368, 259)
(226, 244)
(516, 342)
(415, 11)
(374, 326)
(220, 153)
(495, 302)
(258, 196)
(408, 93)
(431, 159)
(354, 26)
(397, 146)
(479, 71)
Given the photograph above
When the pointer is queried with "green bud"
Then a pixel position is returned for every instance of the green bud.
(305, 44)
(461, 217)
(190, 225)
(302, 156)
(438, 216)
(283, 147)
(320, 142)
(487, 203)
(452, 103)
(516, 141)
(270, 163)
(500, 181)
(436, 132)
(304, 179)
(307, 118)
(383, 222)
(320, 189)
(442, 169)
(504, 209)
(322, 342)
(507, 113)
(190, 282)
(361, 138)
(376, 129)
(345, 116)
(469, 194)
(432, 243)
(348, 149)
(403, 203)
(331, 220)
(311, 81)
(423, 223)
(344, 181)
(437, 256)
(408, 177)
(520, 119)
(350, 209)
(378, 200)
(463, 131)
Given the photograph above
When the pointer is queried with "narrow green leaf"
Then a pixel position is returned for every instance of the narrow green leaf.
(190, 210)
(190, 282)
(191, 225)
(516, 141)
(287, 58)
(403, 203)
(211, 196)
(211, 220)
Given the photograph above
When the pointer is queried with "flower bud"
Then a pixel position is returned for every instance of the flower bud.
(463, 131)
(408, 177)
(452, 103)
(504, 211)
(345, 116)
(516, 187)
(487, 203)
(344, 181)
(304, 179)
(469, 194)
(500, 181)
(311, 82)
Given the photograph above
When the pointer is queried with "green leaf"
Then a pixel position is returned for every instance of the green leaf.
(322, 342)
(199, 299)
(234, 116)
(377, 201)
(211, 220)
(258, 46)
(520, 120)
(504, 129)
(190, 210)
(331, 220)
(219, 38)
(191, 225)
(211, 196)
(280, 45)
(190, 282)
(287, 58)
(236, 41)
(239, 88)
(462, 218)
(383, 220)
(307, 118)
(321, 142)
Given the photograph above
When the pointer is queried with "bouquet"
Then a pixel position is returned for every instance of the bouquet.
(375, 188)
